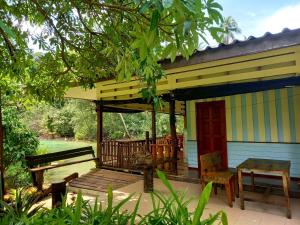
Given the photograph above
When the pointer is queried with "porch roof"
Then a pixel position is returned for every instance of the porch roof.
(253, 62)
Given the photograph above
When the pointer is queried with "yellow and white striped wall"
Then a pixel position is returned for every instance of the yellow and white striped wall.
(268, 116)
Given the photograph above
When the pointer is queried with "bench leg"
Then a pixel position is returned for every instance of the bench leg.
(39, 180)
(58, 192)
(228, 193)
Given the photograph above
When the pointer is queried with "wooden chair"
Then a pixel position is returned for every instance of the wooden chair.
(212, 170)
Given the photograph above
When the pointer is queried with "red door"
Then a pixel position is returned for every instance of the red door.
(211, 129)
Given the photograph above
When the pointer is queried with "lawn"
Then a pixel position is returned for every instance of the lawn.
(56, 175)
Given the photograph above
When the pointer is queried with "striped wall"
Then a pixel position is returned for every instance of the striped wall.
(262, 125)
(269, 116)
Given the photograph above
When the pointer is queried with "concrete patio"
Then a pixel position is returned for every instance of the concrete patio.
(254, 213)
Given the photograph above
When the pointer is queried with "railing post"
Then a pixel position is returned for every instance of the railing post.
(148, 169)
(173, 133)
(99, 110)
(147, 146)
(153, 124)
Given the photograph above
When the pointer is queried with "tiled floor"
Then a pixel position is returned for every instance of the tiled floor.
(254, 214)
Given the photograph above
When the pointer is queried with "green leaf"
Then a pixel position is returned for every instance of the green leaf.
(187, 27)
(202, 203)
(133, 215)
(167, 51)
(7, 29)
(154, 20)
(145, 7)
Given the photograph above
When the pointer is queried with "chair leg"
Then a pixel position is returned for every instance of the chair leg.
(216, 189)
(202, 185)
(232, 183)
(228, 193)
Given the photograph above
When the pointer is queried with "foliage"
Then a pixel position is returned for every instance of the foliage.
(17, 176)
(84, 41)
(170, 209)
(19, 140)
(78, 117)
(84, 119)
(20, 210)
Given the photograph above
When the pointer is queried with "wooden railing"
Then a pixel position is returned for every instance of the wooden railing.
(121, 154)
(162, 155)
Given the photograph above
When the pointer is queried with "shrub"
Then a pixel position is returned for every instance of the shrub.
(17, 176)
(64, 125)
(19, 140)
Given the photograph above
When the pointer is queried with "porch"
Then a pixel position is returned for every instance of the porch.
(256, 213)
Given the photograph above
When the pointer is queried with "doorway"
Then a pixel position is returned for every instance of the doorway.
(211, 129)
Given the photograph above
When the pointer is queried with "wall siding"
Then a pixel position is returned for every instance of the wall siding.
(271, 118)
(239, 151)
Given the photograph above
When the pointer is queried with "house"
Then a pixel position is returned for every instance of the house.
(242, 99)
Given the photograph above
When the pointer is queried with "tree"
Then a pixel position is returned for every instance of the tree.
(230, 28)
(83, 41)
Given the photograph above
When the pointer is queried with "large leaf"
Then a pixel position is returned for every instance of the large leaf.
(7, 29)
(202, 203)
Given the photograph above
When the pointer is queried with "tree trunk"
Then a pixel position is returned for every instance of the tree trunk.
(125, 126)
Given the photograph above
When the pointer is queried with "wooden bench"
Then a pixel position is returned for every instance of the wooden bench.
(38, 164)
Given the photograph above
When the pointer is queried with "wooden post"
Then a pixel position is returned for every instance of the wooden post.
(99, 110)
(58, 192)
(147, 147)
(153, 125)
(148, 170)
(1, 153)
(173, 133)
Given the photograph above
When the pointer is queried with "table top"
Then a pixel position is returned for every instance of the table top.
(265, 165)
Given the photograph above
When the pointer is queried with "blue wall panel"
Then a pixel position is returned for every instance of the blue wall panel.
(238, 152)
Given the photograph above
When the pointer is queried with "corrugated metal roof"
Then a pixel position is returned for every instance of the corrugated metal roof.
(237, 48)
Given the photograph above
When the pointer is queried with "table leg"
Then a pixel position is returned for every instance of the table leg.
(241, 192)
(286, 188)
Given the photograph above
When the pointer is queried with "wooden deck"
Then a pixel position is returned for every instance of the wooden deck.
(99, 180)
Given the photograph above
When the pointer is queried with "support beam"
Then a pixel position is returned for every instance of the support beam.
(1, 153)
(153, 125)
(99, 110)
(173, 134)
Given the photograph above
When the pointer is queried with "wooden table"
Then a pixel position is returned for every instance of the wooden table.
(269, 167)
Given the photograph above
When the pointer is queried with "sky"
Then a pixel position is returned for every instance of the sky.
(255, 17)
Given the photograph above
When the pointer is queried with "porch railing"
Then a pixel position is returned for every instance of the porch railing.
(121, 154)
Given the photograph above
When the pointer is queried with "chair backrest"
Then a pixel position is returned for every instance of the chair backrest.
(36, 160)
(211, 162)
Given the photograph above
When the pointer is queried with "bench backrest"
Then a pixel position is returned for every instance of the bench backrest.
(211, 162)
(36, 160)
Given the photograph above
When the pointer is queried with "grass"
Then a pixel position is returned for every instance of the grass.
(57, 145)
(56, 175)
